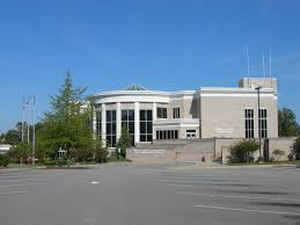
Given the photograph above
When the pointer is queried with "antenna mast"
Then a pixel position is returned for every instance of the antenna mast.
(263, 64)
(248, 60)
(270, 62)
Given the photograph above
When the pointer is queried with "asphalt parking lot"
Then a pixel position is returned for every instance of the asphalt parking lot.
(128, 194)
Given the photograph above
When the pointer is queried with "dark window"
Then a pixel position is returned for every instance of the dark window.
(162, 113)
(263, 123)
(176, 113)
(128, 122)
(190, 133)
(98, 123)
(111, 128)
(249, 123)
(166, 134)
(146, 127)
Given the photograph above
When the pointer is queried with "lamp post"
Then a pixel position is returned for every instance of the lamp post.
(258, 120)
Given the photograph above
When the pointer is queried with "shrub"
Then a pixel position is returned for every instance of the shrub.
(101, 155)
(291, 156)
(278, 153)
(82, 155)
(20, 153)
(297, 148)
(123, 143)
(243, 151)
(115, 157)
(62, 162)
(50, 162)
(4, 160)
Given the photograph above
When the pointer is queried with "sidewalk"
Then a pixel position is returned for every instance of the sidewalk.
(212, 165)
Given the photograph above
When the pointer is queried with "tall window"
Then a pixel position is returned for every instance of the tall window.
(111, 128)
(249, 123)
(162, 113)
(98, 123)
(263, 123)
(145, 125)
(176, 113)
(128, 122)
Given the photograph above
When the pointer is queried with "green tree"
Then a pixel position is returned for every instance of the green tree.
(2, 138)
(66, 125)
(66, 104)
(124, 142)
(287, 124)
(12, 137)
(243, 151)
(4, 160)
(20, 152)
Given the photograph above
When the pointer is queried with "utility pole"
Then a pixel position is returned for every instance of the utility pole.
(22, 127)
(28, 132)
(259, 122)
(28, 119)
(33, 130)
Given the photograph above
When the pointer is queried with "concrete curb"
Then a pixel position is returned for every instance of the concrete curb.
(198, 166)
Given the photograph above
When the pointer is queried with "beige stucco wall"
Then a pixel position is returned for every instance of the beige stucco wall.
(189, 106)
(284, 144)
(224, 116)
(253, 82)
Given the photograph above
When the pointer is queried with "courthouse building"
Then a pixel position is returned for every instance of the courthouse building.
(151, 115)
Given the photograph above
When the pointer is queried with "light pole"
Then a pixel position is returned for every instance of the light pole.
(258, 120)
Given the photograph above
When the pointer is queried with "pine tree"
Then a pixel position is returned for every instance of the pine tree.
(66, 126)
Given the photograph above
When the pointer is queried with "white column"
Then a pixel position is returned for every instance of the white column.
(94, 122)
(154, 111)
(118, 120)
(103, 124)
(154, 117)
(136, 122)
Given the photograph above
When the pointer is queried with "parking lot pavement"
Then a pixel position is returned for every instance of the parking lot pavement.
(150, 194)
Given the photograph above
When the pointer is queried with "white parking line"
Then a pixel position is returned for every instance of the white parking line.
(94, 182)
(248, 210)
(180, 185)
(21, 185)
(236, 196)
(12, 192)
(19, 180)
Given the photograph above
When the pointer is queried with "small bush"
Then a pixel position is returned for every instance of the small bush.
(278, 153)
(50, 162)
(20, 153)
(115, 157)
(297, 148)
(243, 151)
(81, 155)
(291, 156)
(101, 155)
(4, 160)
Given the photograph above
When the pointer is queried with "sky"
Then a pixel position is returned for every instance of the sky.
(158, 44)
